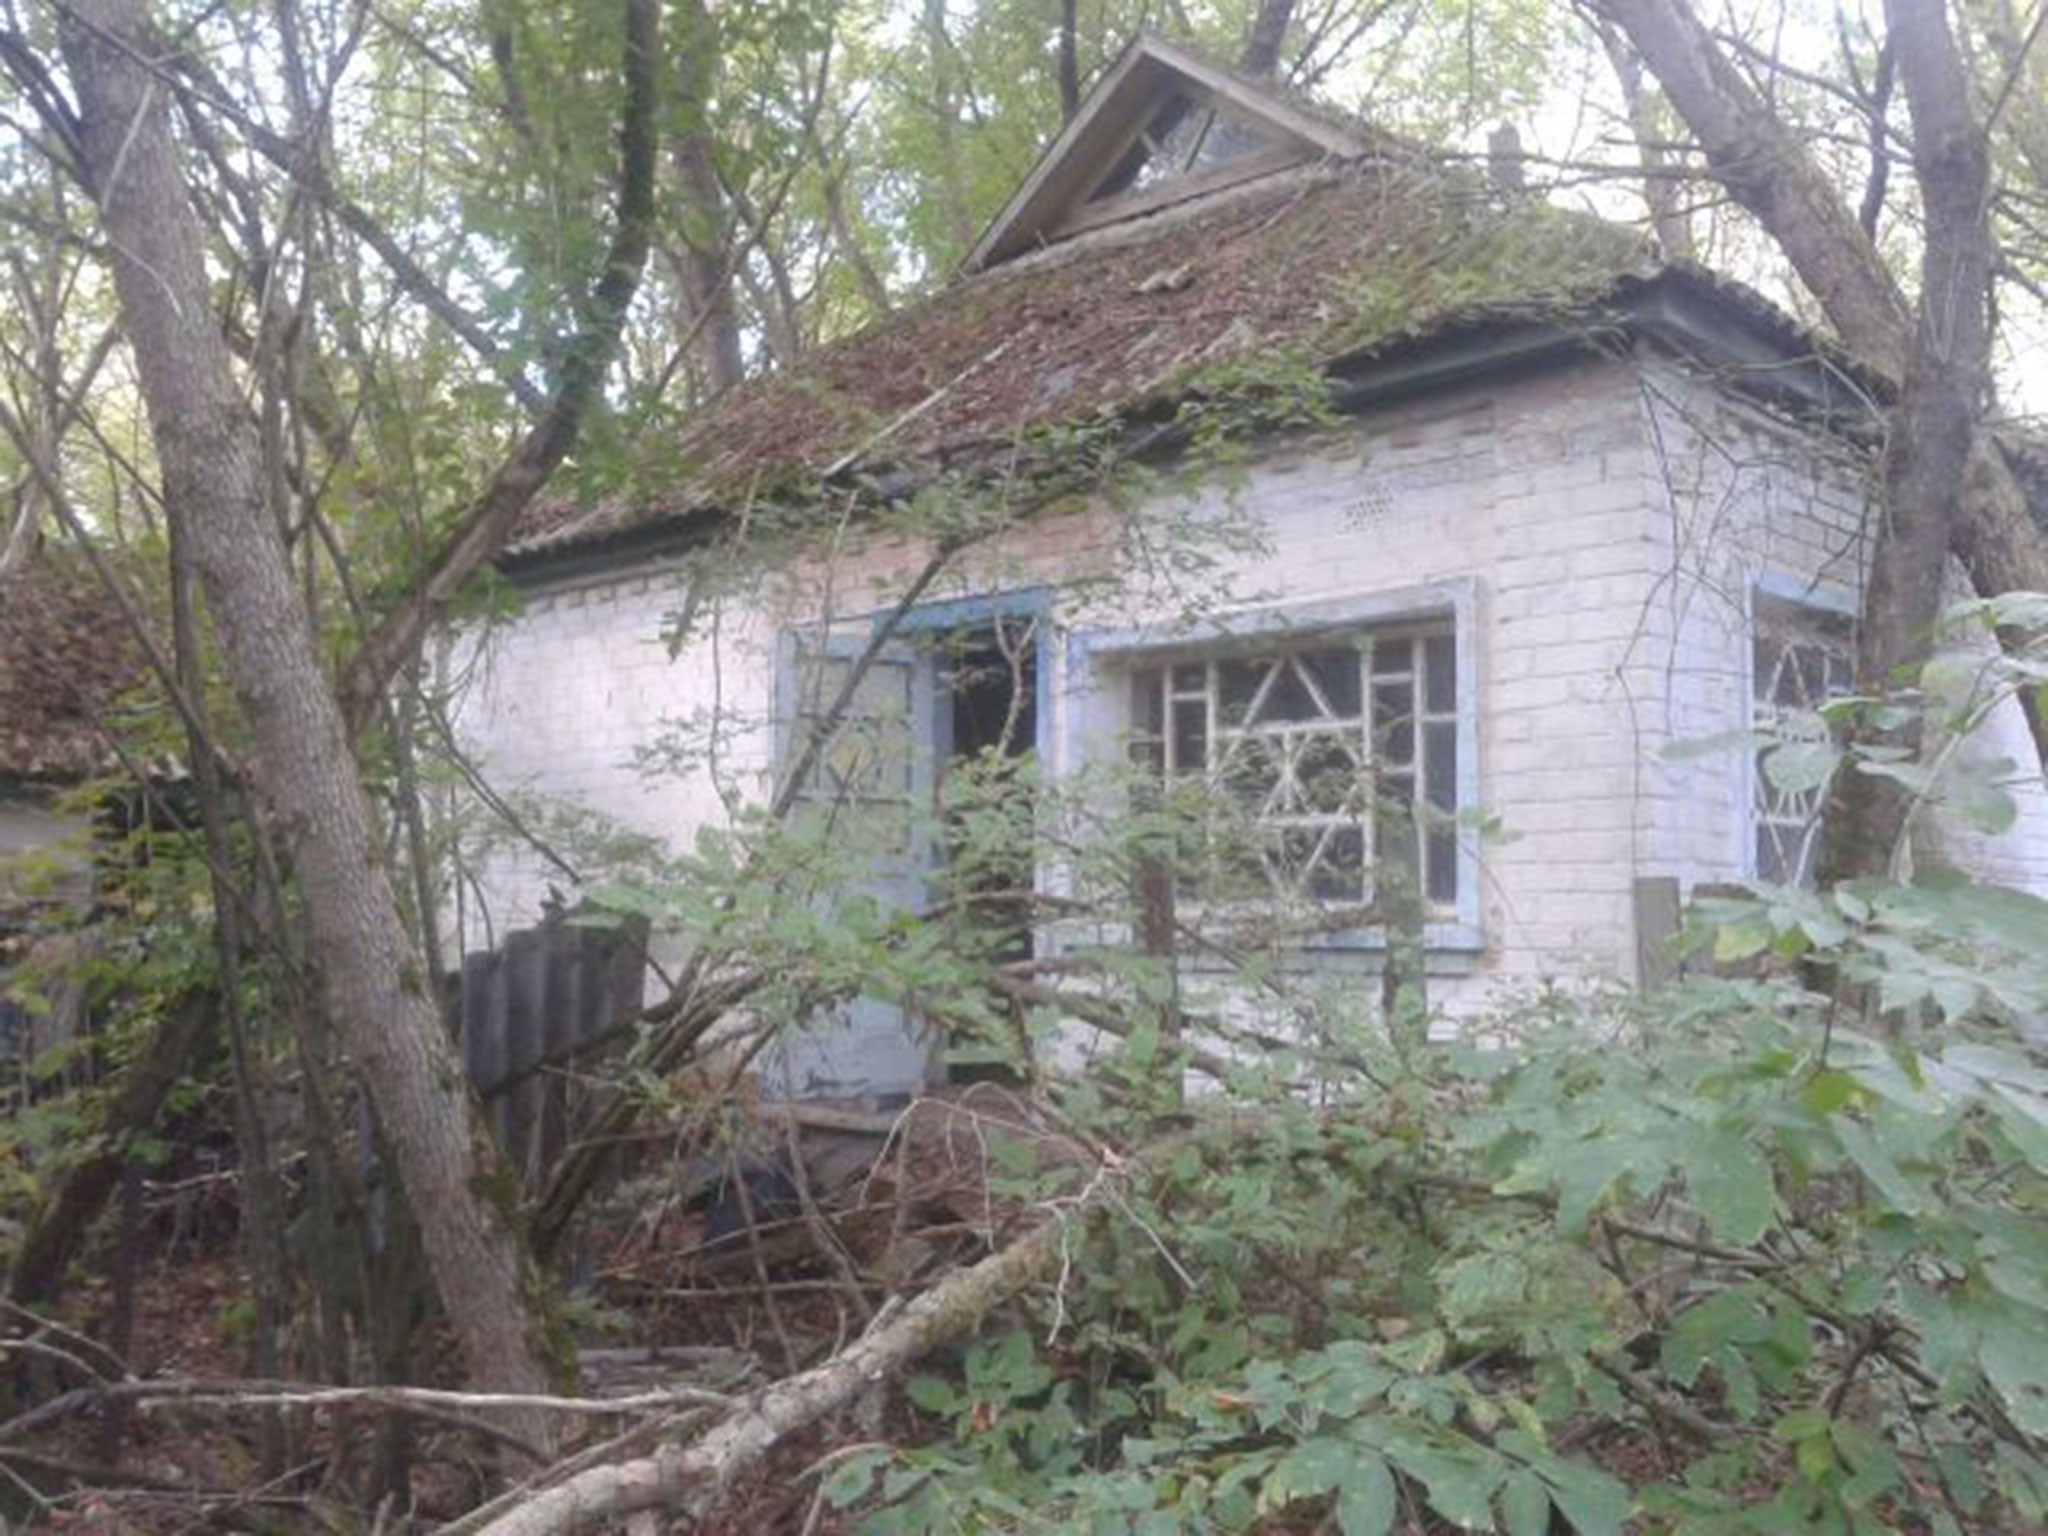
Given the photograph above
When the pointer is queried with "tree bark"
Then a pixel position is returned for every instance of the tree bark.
(706, 226)
(1927, 451)
(847, 238)
(945, 107)
(1661, 189)
(1767, 169)
(209, 457)
(1069, 60)
(138, 1098)
(1266, 37)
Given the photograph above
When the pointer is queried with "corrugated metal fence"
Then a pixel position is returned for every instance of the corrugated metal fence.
(531, 1013)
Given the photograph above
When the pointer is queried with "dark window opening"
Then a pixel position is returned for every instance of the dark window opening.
(990, 684)
(988, 693)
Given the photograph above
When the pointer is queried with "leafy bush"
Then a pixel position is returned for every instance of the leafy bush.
(1711, 1261)
(1746, 1255)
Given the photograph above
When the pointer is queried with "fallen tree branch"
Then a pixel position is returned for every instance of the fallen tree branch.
(132, 1480)
(590, 1456)
(688, 1479)
(237, 1393)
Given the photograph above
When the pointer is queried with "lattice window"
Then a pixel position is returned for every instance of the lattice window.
(1335, 751)
(1801, 658)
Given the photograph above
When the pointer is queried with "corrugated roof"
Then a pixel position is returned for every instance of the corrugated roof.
(1309, 265)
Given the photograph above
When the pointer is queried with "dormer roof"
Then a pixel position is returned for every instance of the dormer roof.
(1161, 126)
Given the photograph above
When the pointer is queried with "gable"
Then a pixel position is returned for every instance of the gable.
(1162, 126)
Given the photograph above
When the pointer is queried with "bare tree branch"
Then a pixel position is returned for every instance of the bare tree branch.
(488, 522)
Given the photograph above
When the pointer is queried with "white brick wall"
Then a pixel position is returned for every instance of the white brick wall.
(1613, 517)
(1741, 500)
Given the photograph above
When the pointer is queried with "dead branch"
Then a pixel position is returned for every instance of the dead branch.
(484, 527)
(234, 1394)
(687, 1479)
(603, 1451)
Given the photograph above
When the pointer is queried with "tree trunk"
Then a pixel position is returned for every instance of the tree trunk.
(1767, 169)
(945, 106)
(138, 1098)
(1267, 35)
(1927, 452)
(1069, 61)
(1661, 189)
(377, 987)
(847, 238)
(707, 228)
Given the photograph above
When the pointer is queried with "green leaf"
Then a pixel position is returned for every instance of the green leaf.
(1732, 1185)
(1695, 747)
(1827, 1092)
(931, 1394)
(1585, 1171)
(1801, 1424)
(1798, 766)
(1595, 1503)
(1985, 805)
(1740, 939)
(1366, 1500)
(2014, 1355)
(1313, 1467)
(1525, 1506)
(1815, 1458)
(849, 1481)
(1877, 1166)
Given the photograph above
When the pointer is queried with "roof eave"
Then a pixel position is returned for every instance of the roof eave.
(1738, 342)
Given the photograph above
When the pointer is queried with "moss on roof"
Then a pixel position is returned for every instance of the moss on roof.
(66, 657)
(1306, 267)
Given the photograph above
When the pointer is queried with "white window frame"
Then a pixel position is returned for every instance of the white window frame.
(1766, 590)
(1101, 662)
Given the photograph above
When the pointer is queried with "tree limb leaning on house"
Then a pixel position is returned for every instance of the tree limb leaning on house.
(1942, 463)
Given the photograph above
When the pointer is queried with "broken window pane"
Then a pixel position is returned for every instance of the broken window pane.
(1183, 138)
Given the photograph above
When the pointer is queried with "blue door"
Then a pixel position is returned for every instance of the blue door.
(871, 786)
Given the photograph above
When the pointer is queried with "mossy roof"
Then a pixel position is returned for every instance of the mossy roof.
(1310, 267)
(66, 657)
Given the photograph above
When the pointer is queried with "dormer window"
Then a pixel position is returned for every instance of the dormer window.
(1162, 127)
(1184, 139)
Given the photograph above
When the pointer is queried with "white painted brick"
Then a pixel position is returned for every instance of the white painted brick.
(1599, 588)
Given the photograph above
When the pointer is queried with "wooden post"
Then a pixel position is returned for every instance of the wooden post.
(1657, 921)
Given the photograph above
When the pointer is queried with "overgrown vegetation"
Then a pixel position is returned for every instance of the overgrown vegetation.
(1231, 1232)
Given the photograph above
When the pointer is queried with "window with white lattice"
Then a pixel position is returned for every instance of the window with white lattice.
(1333, 753)
(1801, 657)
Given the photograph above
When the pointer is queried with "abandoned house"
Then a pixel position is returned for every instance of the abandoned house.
(1568, 506)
